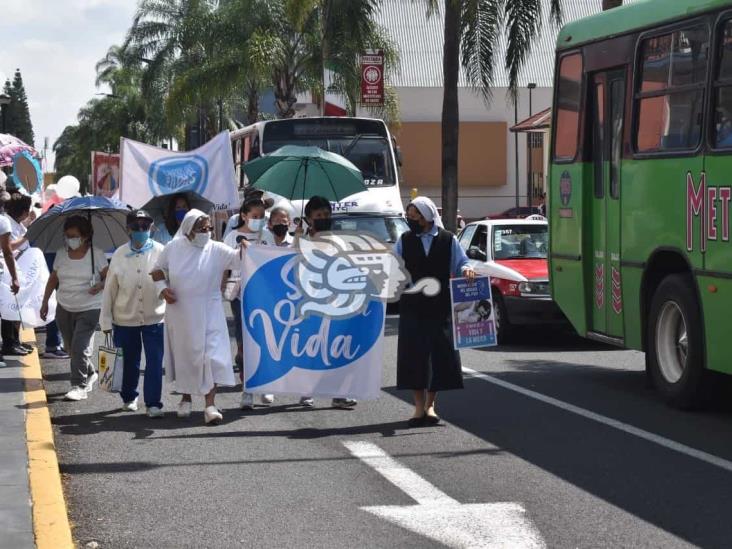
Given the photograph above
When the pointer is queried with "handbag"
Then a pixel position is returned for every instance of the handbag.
(110, 366)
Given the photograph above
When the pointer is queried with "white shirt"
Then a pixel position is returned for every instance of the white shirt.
(75, 280)
(130, 295)
(17, 231)
(231, 242)
(5, 228)
(269, 238)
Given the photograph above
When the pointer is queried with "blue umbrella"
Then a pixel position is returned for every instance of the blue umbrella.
(108, 218)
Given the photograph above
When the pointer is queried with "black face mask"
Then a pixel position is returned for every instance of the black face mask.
(414, 226)
(279, 230)
(322, 224)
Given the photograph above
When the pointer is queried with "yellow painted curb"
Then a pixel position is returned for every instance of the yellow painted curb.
(50, 518)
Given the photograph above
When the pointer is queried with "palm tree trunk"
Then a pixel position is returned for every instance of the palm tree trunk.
(450, 114)
(609, 4)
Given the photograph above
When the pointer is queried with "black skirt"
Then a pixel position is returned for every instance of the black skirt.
(426, 358)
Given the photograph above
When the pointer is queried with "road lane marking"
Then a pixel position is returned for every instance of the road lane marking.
(442, 518)
(614, 423)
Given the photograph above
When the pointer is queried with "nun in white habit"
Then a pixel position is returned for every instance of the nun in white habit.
(197, 348)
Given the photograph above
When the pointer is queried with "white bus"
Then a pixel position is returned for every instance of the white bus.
(366, 142)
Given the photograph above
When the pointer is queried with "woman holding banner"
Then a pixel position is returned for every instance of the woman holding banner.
(426, 359)
(188, 275)
(249, 228)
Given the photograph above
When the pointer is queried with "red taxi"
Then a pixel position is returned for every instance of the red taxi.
(513, 252)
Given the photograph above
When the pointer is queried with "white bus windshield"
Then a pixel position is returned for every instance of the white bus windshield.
(360, 143)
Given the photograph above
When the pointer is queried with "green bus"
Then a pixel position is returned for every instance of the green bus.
(641, 186)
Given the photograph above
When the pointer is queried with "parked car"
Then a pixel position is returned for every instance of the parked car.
(514, 254)
(516, 213)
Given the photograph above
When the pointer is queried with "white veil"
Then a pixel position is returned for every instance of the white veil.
(188, 222)
(428, 210)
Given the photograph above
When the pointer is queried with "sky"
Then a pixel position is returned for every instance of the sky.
(56, 44)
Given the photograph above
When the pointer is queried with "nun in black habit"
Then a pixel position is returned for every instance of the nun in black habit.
(426, 359)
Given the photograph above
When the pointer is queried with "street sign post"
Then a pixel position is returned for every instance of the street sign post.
(372, 78)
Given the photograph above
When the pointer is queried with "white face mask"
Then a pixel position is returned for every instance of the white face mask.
(256, 225)
(201, 239)
(73, 243)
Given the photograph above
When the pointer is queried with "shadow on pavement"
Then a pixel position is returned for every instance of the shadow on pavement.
(138, 466)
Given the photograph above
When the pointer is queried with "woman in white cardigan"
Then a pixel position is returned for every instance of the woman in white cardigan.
(134, 311)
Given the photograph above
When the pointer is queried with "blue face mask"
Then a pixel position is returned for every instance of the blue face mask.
(179, 215)
(139, 238)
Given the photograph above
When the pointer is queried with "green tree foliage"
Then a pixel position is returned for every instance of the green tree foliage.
(17, 113)
(472, 31)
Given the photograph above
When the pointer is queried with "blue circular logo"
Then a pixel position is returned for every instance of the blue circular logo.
(176, 174)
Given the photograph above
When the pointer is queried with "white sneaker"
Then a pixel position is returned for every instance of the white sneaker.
(91, 380)
(130, 406)
(247, 401)
(184, 409)
(212, 415)
(267, 399)
(308, 402)
(344, 402)
(76, 393)
(154, 411)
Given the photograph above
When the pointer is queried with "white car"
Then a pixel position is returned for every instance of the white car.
(513, 252)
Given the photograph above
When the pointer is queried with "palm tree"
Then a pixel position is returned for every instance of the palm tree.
(472, 32)
(175, 36)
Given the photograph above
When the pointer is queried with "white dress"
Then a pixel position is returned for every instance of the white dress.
(197, 346)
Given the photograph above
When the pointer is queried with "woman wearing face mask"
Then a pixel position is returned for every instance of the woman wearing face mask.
(78, 279)
(250, 229)
(133, 310)
(426, 359)
(178, 207)
(278, 228)
(188, 277)
(17, 210)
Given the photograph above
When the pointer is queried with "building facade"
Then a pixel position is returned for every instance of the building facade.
(489, 153)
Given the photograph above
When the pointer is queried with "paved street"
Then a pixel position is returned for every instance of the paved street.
(560, 427)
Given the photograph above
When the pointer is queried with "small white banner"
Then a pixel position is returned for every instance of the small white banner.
(32, 277)
(292, 345)
(208, 171)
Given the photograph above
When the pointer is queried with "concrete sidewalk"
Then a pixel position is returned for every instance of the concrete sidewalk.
(16, 521)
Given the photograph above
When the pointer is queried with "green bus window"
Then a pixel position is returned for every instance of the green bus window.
(568, 107)
(617, 107)
(723, 94)
(671, 91)
(598, 138)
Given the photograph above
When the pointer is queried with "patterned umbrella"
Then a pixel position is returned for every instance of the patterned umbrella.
(10, 146)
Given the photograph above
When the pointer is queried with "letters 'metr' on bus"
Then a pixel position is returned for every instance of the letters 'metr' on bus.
(641, 184)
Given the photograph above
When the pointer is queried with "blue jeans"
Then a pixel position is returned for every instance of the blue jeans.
(53, 338)
(131, 340)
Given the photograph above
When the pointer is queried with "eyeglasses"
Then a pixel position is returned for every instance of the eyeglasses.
(140, 226)
(203, 230)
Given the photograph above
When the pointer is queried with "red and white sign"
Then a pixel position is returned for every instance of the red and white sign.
(105, 174)
(372, 79)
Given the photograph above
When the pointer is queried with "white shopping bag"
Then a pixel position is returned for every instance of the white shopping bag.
(110, 367)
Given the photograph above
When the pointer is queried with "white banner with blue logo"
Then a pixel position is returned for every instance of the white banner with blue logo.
(290, 347)
(148, 171)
